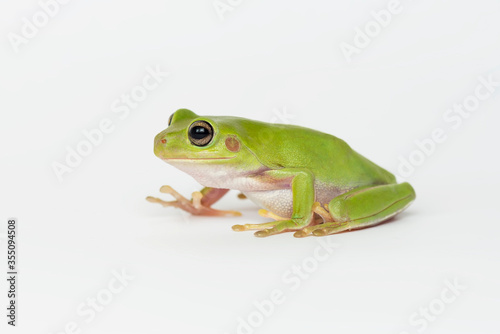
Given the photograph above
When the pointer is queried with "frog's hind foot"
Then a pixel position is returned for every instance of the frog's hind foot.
(193, 206)
(322, 216)
(331, 228)
(308, 230)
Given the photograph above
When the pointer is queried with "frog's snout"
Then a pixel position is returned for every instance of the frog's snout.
(159, 147)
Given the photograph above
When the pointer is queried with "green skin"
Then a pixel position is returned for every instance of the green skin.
(293, 172)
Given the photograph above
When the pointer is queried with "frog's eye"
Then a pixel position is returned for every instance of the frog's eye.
(200, 133)
(170, 119)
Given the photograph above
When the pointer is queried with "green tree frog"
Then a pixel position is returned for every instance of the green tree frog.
(308, 182)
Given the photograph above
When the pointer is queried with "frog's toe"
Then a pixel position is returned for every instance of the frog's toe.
(162, 202)
(280, 227)
(193, 206)
(320, 232)
(213, 212)
(246, 227)
(300, 234)
(308, 230)
(265, 229)
(269, 214)
(263, 233)
(304, 232)
(331, 228)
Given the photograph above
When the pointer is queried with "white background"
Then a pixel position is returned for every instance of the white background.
(263, 60)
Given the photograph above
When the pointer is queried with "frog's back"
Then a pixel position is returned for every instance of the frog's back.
(331, 159)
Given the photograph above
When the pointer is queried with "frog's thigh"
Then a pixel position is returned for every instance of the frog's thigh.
(365, 207)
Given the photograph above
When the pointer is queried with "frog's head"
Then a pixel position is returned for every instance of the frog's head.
(192, 139)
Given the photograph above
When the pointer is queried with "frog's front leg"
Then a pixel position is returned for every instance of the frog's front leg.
(364, 207)
(301, 182)
(199, 205)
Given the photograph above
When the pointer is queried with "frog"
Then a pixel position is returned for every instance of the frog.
(305, 181)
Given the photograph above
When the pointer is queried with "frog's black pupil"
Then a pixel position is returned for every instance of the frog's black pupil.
(199, 132)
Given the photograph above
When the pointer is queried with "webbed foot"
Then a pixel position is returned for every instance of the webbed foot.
(193, 206)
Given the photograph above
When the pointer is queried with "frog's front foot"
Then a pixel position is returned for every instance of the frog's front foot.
(261, 226)
(267, 229)
(193, 206)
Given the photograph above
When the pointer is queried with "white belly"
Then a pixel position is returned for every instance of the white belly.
(279, 202)
(259, 190)
(219, 176)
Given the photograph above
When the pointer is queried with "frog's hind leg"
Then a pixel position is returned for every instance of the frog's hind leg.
(365, 207)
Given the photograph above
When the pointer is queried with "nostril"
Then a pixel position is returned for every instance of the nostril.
(163, 141)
